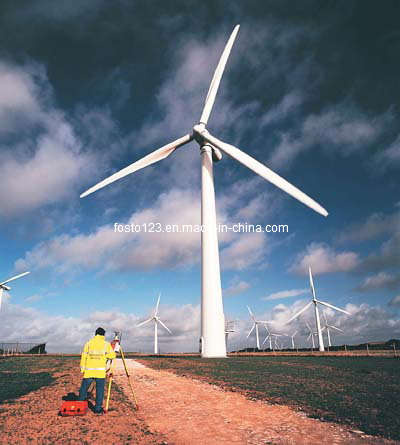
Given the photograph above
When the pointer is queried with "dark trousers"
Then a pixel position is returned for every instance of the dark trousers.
(99, 391)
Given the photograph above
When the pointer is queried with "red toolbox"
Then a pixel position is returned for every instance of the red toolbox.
(74, 408)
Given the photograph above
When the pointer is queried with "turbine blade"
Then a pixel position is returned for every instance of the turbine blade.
(144, 322)
(163, 325)
(326, 321)
(251, 314)
(308, 338)
(213, 89)
(151, 158)
(266, 338)
(311, 282)
(294, 334)
(264, 172)
(15, 277)
(336, 329)
(333, 307)
(158, 303)
(251, 330)
(300, 312)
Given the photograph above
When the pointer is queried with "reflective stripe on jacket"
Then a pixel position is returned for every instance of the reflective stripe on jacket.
(95, 354)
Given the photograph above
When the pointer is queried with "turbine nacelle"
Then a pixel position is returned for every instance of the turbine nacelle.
(197, 135)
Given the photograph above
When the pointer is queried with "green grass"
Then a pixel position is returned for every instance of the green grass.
(361, 391)
(21, 375)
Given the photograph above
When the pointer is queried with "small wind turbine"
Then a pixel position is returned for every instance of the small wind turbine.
(317, 320)
(212, 313)
(156, 320)
(292, 338)
(311, 335)
(255, 325)
(329, 326)
(270, 335)
(3, 286)
(276, 340)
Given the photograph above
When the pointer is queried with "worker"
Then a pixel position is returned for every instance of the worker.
(93, 366)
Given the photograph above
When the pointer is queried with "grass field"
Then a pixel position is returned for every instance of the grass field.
(361, 391)
(21, 375)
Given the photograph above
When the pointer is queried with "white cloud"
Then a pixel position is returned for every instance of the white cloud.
(246, 250)
(236, 287)
(46, 161)
(342, 126)
(68, 334)
(285, 294)
(106, 249)
(366, 323)
(381, 280)
(395, 301)
(376, 225)
(323, 259)
(390, 156)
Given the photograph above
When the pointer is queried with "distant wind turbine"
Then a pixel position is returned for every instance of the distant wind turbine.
(328, 326)
(212, 314)
(255, 326)
(315, 302)
(156, 320)
(3, 286)
(292, 338)
(311, 335)
(270, 336)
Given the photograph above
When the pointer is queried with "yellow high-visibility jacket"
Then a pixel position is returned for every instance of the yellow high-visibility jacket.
(94, 357)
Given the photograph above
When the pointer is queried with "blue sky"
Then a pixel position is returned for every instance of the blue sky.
(85, 89)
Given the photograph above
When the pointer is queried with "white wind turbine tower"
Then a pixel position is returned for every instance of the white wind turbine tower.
(156, 320)
(315, 302)
(255, 325)
(328, 326)
(3, 285)
(212, 314)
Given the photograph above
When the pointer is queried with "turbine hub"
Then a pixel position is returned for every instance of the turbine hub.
(197, 133)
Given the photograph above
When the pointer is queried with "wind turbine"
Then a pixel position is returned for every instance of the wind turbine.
(255, 325)
(270, 335)
(156, 320)
(292, 338)
(317, 319)
(3, 286)
(212, 314)
(311, 335)
(329, 326)
(276, 340)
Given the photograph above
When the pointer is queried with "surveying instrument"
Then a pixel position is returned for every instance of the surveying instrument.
(116, 345)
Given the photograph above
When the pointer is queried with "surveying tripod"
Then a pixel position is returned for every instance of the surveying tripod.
(116, 344)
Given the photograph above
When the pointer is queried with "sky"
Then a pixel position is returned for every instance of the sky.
(311, 90)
